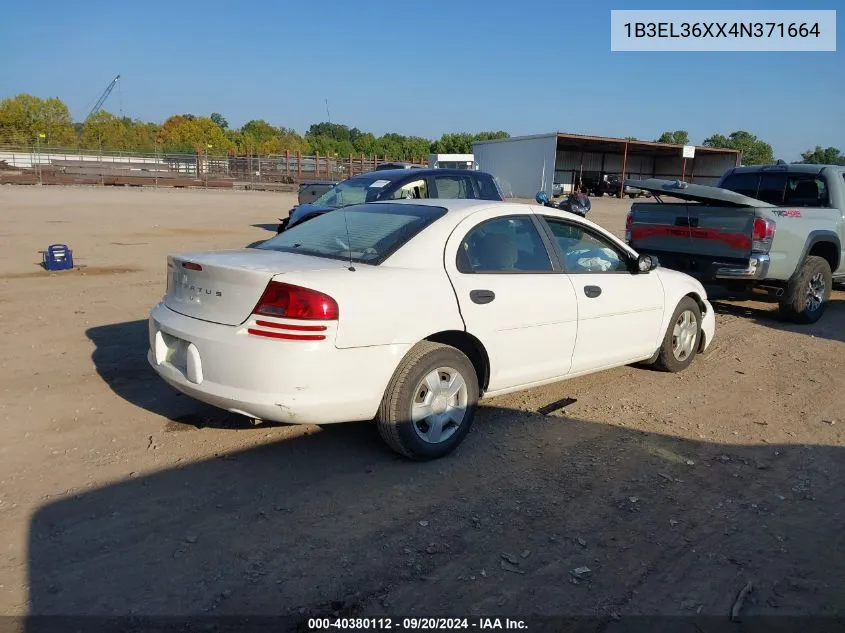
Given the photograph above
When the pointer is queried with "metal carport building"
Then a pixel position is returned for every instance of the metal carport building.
(525, 165)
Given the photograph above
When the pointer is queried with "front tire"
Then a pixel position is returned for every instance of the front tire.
(680, 343)
(429, 404)
(807, 293)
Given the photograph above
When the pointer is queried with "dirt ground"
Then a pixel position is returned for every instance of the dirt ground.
(119, 496)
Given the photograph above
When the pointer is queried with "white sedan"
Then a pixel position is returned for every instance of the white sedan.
(409, 312)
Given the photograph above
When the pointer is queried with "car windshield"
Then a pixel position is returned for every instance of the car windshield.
(366, 233)
(353, 191)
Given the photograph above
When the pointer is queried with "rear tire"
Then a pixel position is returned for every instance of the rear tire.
(429, 404)
(807, 293)
(682, 338)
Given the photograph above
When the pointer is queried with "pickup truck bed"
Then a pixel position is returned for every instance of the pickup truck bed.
(722, 237)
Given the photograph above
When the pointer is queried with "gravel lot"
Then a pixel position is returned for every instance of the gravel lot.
(119, 496)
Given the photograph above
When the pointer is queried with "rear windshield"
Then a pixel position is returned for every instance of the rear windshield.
(489, 188)
(366, 233)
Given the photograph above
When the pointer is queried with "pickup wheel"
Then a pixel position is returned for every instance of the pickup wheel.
(680, 344)
(429, 404)
(808, 291)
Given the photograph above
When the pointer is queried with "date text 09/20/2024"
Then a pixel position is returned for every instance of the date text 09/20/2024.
(415, 624)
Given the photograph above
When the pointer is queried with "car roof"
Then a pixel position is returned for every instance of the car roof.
(807, 168)
(456, 208)
(396, 174)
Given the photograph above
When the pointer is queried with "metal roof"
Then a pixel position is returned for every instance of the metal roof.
(587, 142)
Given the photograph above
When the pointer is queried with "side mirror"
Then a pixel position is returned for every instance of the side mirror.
(646, 263)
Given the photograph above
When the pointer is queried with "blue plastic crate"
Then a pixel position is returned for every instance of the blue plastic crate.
(57, 257)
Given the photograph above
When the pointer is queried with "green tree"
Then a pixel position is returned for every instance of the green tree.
(259, 131)
(180, 134)
(24, 117)
(335, 131)
(104, 130)
(819, 156)
(461, 142)
(219, 120)
(754, 151)
(678, 137)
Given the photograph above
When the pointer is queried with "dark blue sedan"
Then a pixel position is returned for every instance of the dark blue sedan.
(398, 184)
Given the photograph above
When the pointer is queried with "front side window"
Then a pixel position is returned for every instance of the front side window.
(805, 190)
(504, 245)
(586, 252)
(412, 191)
(367, 234)
(353, 191)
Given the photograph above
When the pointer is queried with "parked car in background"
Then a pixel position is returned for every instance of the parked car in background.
(310, 191)
(611, 184)
(778, 229)
(397, 184)
(407, 312)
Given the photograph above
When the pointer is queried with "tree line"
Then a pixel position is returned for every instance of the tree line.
(25, 118)
(754, 150)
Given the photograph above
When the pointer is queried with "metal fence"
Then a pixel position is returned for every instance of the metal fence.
(46, 165)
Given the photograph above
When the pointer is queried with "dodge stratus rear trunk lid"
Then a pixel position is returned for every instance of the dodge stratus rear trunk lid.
(224, 286)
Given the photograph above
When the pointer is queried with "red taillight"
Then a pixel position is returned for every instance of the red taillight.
(294, 302)
(629, 220)
(191, 266)
(763, 230)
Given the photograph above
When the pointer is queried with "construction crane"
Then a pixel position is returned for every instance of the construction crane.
(103, 98)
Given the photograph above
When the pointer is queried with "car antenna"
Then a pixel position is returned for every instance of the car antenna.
(348, 241)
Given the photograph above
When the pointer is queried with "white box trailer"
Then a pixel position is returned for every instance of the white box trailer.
(452, 161)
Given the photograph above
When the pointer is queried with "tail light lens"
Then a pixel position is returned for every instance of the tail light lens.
(762, 234)
(629, 222)
(294, 302)
(763, 229)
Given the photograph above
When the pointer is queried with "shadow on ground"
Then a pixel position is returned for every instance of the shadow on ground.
(267, 227)
(531, 514)
(120, 358)
(830, 326)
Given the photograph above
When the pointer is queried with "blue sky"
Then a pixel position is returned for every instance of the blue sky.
(417, 68)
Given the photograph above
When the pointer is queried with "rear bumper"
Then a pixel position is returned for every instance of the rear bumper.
(708, 326)
(757, 269)
(708, 269)
(297, 382)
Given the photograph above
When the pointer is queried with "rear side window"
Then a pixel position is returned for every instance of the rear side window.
(367, 234)
(455, 187)
(504, 245)
(743, 183)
